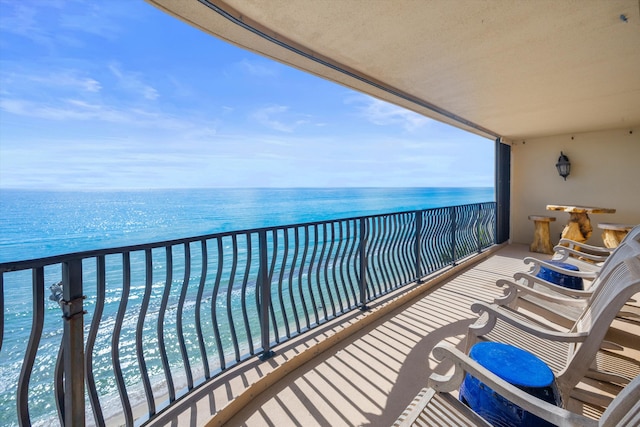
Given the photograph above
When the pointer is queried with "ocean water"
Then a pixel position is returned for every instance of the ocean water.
(35, 224)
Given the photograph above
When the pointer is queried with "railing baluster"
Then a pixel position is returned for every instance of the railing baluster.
(395, 278)
(294, 265)
(142, 364)
(349, 262)
(37, 286)
(344, 301)
(243, 295)
(179, 315)
(373, 259)
(281, 281)
(214, 306)
(232, 275)
(166, 368)
(387, 236)
(198, 320)
(58, 386)
(397, 227)
(115, 339)
(326, 271)
(302, 269)
(274, 256)
(318, 269)
(308, 267)
(264, 287)
(453, 235)
(418, 240)
(405, 253)
(91, 339)
(362, 284)
(479, 212)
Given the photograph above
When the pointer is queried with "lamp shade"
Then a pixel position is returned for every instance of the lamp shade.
(563, 166)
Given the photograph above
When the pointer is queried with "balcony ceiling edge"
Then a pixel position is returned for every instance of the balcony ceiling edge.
(232, 27)
(516, 70)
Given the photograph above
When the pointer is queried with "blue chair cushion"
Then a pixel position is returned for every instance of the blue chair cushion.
(560, 279)
(518, 367)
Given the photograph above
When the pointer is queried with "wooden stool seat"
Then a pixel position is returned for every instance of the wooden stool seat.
(541, 236)
(613, 234)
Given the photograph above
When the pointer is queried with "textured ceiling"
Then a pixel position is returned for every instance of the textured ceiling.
(516, 69)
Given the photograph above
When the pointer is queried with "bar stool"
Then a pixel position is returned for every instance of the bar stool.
(613, 234)
(541, 236)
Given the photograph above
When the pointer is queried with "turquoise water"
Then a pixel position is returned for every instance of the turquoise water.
(38, 224)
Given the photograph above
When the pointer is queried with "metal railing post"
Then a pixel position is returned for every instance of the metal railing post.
(362, 283)
(73, 343)
(265, 296)
(418, 237)
(453, 235)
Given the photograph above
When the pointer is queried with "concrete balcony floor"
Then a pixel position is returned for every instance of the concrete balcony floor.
(364, 368)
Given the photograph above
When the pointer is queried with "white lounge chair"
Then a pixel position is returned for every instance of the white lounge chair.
(595, 257)
(573, 353)
(563, 305)
(436, 406)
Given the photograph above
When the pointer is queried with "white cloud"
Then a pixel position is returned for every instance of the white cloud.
(384, 114)
(257, 68)
(67, 78)
(41, 82)
(132, 82)
(276, 117)
(33, 20)
(18, 18)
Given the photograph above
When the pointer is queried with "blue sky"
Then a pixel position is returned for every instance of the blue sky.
(117, 95)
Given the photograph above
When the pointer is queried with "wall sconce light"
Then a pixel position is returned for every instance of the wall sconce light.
(563, 166)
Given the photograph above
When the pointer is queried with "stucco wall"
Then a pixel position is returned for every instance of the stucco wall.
(605, 172)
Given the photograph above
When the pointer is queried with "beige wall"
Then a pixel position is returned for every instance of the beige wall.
(605, 172)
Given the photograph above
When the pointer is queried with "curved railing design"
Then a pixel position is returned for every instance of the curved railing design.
(144, 325)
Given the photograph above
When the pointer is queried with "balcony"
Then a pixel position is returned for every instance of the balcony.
(363, 367)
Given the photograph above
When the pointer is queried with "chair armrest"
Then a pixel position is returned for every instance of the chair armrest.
(564, 253)
(496, 312)
(515, 290)
(568, 292)
(464, 364)
(537, 264)
(593, 250)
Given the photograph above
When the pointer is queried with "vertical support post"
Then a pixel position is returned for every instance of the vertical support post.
(265, 296)
(73, 343)
(453, 235)
(362, 284)
(503, 191)
(418, 238)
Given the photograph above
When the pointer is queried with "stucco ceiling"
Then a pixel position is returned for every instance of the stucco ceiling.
(509, 68)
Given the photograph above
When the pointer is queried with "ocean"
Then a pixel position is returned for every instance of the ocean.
(36, 224)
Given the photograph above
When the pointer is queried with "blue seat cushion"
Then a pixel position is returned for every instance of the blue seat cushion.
(560, 279)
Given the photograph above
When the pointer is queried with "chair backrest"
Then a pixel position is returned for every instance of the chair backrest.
(629, 247)
(619, 284)
(624, 411)
(633, 234)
